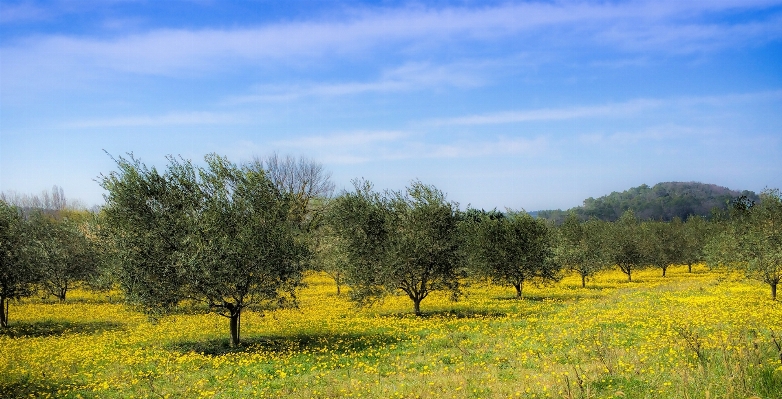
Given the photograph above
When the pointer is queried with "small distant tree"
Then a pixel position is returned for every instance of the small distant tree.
(580, 246)
(697, 232)
(398, 241)
(752, 239)
(17, 271)
(664, 243)
(64, 255)
(625, 245)
(515, 249)
(330, 255)
(220, 235)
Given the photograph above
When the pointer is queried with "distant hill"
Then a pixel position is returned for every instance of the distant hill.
(663, 201)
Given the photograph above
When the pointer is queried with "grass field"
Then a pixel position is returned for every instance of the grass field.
(700, 335)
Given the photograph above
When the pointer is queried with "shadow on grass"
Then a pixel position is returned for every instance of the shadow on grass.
(295, 343)
(50, 328)
(27, 387)
(447, 314)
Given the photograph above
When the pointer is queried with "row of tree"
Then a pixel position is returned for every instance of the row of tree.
(227, 237)
(45, 248)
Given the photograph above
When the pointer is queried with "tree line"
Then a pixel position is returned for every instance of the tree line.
(663, 201)
(225, 238)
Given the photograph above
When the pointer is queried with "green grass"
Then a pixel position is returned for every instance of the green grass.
(690, 335)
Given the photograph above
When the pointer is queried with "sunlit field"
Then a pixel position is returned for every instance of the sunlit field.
(690, 335)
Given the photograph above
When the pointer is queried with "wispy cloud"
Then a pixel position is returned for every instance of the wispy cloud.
(550, 114)
(170, 119)
(24, 12)
(611, 110)
(668, 26)
(344, 140)
(371, 146)
(410, 76)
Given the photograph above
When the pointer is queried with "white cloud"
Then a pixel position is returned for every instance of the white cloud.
(549, 114)
(170, 119)
(18, 13)
(410, 76)
(611, 110)
(634, 26)
(362, 147)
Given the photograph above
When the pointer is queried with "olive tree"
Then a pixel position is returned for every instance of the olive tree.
(18, 274)
(329, 255)
(514, 249)
(404, 241)
(219, 235)
(663, 243)
(625, 246)
(752, 239)
(697, 231)
(580, 246)
(64, 255)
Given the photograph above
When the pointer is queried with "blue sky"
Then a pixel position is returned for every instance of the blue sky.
(531, 104)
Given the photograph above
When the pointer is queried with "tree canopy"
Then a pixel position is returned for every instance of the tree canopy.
(404, 241)
(752, 239)
(220, 235)
(514, 249)
(580, 246)
(663, 201)
(17, 269)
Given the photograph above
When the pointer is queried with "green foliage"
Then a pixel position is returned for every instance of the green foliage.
(360, 222)
(664, 243)
(64, 255)
(625, 246)
(398, 241)
(513, 249)
(663, 201)
(580, 246)
(752, 239)
(220, 235)
(18, 273)
(329, 255)
(697, 231)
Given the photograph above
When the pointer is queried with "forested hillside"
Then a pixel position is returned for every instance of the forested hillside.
(663, 201)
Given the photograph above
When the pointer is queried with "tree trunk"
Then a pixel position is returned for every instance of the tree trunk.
(689, 267)
(583, 281)
(236, 314)
(3, 312)
(773, 291)
(61, 294)
(664, 269)
(627, 270)
(518, 287)
(417, 306)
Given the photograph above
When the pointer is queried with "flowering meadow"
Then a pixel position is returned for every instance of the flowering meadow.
(706, 334)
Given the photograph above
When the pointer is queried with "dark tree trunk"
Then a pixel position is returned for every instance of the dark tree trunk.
(417, 306)
(689, 267)
(61, 294)
(583, 281)
(518, 286)
(774, 291)
(236, 314)
(664, 269)
(3, 312)
(338, 289)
